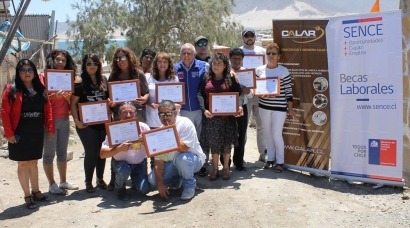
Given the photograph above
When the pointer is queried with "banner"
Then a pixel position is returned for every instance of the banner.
(304, 53)
(366, 84)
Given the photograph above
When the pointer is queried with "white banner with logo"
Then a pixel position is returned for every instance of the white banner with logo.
(366, 87)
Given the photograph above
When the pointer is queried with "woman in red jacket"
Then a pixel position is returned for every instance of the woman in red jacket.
(25, 111)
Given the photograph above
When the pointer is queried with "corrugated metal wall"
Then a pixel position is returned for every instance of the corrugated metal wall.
(33, 27)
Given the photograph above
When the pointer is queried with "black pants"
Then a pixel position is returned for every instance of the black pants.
(92, 139)
(239, 151)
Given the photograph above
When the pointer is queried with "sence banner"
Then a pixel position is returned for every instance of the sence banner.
(366, 84)
(304, 53)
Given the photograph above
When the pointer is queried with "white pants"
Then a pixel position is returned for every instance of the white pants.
(273, 122)
(253, 111)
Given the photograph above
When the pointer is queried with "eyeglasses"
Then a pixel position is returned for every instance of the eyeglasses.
(163, 114)
(26, 71)
(92, 64)
(202, 44)
(249, 36)
(271, 53)
(121, 58)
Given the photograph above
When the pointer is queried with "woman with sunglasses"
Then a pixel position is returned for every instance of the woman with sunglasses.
(219, 133)
(125, 66)
(273, 109)
(93, 87)
(60, 60)
(25, 110)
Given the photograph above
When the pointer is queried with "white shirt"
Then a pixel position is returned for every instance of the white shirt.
(152, 118)
(187, 134)
(256, 50)
(132, 156)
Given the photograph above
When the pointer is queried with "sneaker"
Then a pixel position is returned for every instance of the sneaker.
(68, 185)
(188, 193)
(203, 172)
(54, 189)
(122, 194)
(176, 185)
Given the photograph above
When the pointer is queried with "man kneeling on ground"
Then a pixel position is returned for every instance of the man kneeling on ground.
(177, 168)
(130, 158)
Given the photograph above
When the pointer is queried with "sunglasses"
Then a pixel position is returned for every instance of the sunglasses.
(271, 53)
(92, 64)
(163, 114)
(249, 36)
(121, 59)
(26, 71)
(202, 44)
(58, 60)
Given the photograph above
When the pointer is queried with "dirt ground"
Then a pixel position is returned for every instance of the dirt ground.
(252, 198)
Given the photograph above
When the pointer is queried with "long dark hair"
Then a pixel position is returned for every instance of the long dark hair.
(18, 85)
(170, 74)
(69, 64)
(226, 71)
(86, 79)
(133, 65)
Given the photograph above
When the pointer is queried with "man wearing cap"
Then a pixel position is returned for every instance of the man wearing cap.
(201, 48)
(249, 47)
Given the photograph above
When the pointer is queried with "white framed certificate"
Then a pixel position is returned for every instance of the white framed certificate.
(247, 78)
(121, 91)
(161, 140)
(59, 80)
(252, 61)
(170, 91)
(123, 130)
(267, 86)
(224, 104)
(94, 112)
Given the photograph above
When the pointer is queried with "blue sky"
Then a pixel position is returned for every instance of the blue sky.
(63, 7)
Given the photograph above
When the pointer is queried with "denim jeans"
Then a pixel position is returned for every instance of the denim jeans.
(137, 172)
(183, 166)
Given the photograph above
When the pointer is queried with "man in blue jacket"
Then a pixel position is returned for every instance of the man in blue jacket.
(191, 71)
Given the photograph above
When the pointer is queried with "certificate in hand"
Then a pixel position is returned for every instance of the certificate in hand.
(123, 130)
(59, 80)
(122, 91)
(94, 112)
(161, 140)
(224, 104)
(253, 61)
(267, 86)
(247, 78)
(170, 91)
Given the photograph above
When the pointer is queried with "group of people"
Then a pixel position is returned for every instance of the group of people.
(36, 122)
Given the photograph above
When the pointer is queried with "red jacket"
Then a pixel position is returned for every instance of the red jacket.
(11, 110)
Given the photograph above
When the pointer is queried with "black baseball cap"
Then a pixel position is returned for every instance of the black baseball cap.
(248, 30)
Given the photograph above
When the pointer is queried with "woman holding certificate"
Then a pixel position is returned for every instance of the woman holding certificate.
(273, 109)
(125, 66)
(25, 110)
(162, 72)
(219, 133)
(93, 87)
(58, 60)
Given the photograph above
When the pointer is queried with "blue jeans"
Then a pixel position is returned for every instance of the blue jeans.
(183, 166)
(137, 172)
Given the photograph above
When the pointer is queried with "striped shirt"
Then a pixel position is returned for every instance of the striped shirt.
(277, 103)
